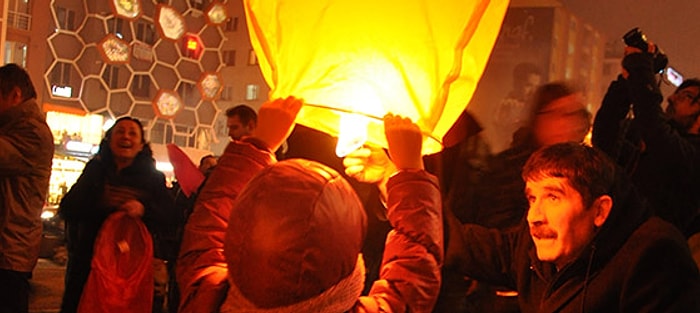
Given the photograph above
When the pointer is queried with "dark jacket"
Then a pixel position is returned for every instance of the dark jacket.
(84, 211)
(410, 275)
(661, 157)
(26, 151)
(634, 264)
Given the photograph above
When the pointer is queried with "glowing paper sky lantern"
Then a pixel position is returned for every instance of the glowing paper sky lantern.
(417, 58)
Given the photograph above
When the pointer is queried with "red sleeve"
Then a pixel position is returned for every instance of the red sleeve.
(413, 255)
(201, 266)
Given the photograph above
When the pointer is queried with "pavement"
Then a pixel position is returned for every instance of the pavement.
(46, 287)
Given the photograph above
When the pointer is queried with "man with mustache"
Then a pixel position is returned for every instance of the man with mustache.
(589, 243)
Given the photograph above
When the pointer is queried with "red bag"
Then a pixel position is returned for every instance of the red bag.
(121, 278)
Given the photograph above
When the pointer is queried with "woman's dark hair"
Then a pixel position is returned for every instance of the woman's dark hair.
(144, 156)
(13, 75)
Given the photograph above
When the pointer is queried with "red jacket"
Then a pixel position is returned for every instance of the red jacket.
(410, 275)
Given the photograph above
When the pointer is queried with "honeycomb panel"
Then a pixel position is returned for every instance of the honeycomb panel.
(194, 23)
(206, 112)
(211, 37)
(67, 46)
(186, 117)
(110, 92)
(98, 7)
(180, 5)
(189, 69)
(167, 78)
(191, 94)
(116, 76)
(76, 7)
(90, 62)
(165, 51)
(93, 30)
(210, 61)
(120, 27)
(120, 103)
(97, 97)
(148, 7)
(141, 66)
(143, 111)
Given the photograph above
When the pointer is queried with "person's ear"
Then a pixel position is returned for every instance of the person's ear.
(16, 95)
(602, 206)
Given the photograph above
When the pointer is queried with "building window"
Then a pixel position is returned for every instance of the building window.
(187, 93)
(60, 75)
(231, 24)
(229, 57)
(227, 93)
(16, 52)
(115, 26)
(66, 18)
(141, 86)
(251, 92)
(197, 4)
(252, 58)
(111, 76)
(145, 32)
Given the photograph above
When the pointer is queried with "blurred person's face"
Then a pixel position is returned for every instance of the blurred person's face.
(126, 140)
(563, 120)
(683, 106)
(530, 85)
(236, 129)
(560, 225)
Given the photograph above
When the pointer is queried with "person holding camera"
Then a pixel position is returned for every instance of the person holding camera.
(659, 149)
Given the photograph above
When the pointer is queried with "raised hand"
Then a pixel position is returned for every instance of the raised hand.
(276, 120)
(405, 142)
(368, 164)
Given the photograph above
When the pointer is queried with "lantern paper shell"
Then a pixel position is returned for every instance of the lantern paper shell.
(421, 59)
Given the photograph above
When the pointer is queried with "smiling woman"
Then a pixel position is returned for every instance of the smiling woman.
(121, 178)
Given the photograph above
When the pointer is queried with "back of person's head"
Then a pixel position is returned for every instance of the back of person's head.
(105, 151)
(587, 169)
(293, 241)
(557, 114)
(11, 76)
(245, 114)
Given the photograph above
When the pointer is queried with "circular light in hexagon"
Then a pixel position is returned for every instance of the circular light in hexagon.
(129, 9)
(114, 50)
(170, 23)
(167, 103)
(216, 14)
(209, 85)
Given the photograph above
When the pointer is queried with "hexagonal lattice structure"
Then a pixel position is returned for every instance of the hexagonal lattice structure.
(90, 62)
(114, 50)
(68, 46)
(128, 9)
(153, 66)
(120, 103)
(216, 13)
(170, 24)
(167, 103)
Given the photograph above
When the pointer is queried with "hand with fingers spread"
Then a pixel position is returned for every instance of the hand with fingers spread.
(405, 141)
(276, 121)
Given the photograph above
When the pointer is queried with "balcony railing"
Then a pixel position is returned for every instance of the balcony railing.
(19, 20)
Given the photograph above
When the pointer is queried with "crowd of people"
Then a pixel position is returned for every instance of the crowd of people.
(560, 221)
